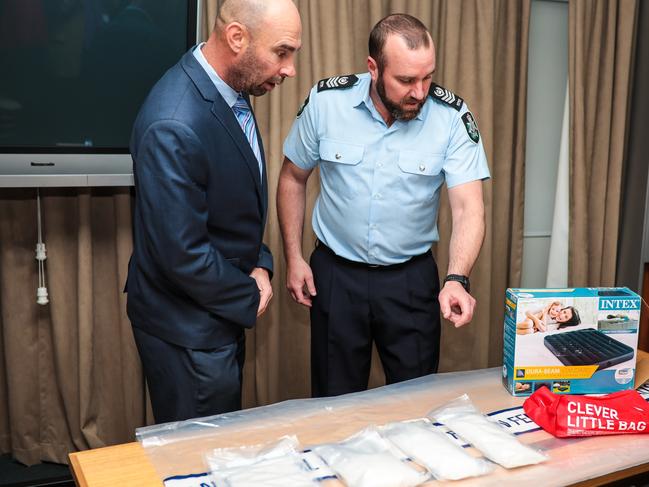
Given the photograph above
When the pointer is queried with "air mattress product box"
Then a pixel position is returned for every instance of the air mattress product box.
(573, 341)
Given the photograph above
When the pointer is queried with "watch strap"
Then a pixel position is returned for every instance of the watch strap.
(463, 280)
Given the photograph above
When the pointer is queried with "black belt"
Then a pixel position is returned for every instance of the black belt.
(352, 263)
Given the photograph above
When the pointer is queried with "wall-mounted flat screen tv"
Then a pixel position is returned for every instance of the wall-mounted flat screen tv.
(73, 75)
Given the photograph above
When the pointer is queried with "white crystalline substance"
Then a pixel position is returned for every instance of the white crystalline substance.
(272, 465)
(435, 450)
(367, 460)
(497, 445)
(277, 472)
(369, 469)
(221, 458)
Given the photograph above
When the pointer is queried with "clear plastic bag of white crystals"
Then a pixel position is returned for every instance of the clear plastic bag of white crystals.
(433, 449)
(367, 460)
(271, 465)
(462, 417)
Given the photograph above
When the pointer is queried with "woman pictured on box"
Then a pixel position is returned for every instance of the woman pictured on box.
(554, 317)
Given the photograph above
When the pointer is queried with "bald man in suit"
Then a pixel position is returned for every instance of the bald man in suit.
(200, 273)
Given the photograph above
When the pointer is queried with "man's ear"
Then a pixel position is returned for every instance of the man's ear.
(373, 68)
(236, 36)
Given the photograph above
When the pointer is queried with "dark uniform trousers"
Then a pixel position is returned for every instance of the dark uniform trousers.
(395, 306)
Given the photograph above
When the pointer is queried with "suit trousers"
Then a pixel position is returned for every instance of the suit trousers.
(187, 383)
(396, 307)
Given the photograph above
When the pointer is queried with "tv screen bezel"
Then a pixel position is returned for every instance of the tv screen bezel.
(79, 166)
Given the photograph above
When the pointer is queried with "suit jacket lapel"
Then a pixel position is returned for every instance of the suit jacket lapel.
(228, 119)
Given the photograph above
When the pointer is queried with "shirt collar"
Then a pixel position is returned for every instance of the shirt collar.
(226, 91)
(364, 98)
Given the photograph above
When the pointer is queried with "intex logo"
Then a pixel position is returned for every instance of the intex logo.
(619, 304)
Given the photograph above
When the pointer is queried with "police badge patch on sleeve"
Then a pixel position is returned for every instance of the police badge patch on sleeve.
(304, 104)
(471, 127)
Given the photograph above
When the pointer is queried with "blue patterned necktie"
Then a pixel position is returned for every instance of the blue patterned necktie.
(247, 122)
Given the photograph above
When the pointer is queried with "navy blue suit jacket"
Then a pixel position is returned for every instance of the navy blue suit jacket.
(200, 211)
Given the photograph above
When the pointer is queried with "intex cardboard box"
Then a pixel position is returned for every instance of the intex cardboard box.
(574, 341)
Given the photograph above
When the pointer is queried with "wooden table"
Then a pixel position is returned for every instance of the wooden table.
(122, 465)
(583, 461)
(128, 465)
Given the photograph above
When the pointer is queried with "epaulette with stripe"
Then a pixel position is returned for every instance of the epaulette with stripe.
(446, 96)
(337, 82)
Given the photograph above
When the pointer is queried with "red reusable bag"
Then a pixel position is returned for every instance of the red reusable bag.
(624, 412)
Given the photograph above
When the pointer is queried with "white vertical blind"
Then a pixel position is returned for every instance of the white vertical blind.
(558, 259)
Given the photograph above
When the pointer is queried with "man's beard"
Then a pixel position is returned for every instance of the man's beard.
(395, 109)
(244, 75)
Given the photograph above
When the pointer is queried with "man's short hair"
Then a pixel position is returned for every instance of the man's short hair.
(409, 28)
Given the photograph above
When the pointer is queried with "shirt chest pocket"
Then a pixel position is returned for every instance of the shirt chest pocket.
(420, 174)
(339, 171)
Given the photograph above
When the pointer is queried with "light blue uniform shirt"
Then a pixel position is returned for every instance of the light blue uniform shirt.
(380, 185)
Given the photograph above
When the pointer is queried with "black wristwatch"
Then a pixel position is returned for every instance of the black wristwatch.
(463, 280)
